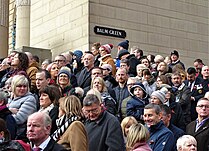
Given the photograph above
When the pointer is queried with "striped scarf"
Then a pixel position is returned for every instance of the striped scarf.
(63, 123)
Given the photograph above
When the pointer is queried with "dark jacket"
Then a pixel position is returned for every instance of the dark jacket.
(183, 97)
(84, 79)
(109, 103)
(135, 108)
(54, 116)
(105, 134)
(171, 65)
(177, 132)
(198, 91)
(201, 135)
(177, 117)
(161, 138)
(53, 146)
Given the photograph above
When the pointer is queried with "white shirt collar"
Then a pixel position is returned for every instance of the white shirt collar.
(44, 144)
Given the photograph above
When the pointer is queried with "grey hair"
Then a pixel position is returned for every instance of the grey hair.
(153, 106)
(183, 139)
(90, 99)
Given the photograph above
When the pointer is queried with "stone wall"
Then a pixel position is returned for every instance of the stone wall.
(157, 26)
(59, 25)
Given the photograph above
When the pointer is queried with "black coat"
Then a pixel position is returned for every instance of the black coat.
(53, 146)
(198, 91)
(201, 135)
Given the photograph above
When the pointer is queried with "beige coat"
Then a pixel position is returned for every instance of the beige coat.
(75, 137)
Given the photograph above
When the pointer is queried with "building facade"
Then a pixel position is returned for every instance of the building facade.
(156, 26)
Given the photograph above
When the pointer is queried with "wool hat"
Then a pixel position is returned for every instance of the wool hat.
(140, 85)
(78, 53)
(107, 47)
(107, 66)
(122, 52)
(174, 52)
(66, 71)
(124, 44)
(160, 94)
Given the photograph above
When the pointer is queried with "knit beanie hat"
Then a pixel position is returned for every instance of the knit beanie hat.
(124, 44)
(78, 53)
(175, 53)
(122, 52)
(160, 94)
(66, 71)
(140, 85)
(107, 47)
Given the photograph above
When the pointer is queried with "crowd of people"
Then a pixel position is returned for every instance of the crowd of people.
(90, 101)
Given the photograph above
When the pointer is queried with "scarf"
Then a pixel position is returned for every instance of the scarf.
(63, 123)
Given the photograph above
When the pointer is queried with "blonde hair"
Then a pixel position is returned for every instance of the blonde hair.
(71, 105)
(104, 88)
(125, 122)
(137, 133)
(19, 80)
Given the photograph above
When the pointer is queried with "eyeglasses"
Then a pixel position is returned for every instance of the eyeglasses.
(202, 106)
(130, 84)
(93, 111)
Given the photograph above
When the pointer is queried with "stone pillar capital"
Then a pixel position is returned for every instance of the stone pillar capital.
(23, 3)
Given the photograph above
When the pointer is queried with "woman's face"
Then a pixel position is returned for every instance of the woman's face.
(15, 60)
(45, 100)
(63, 79)
(159, 82)
(102, 51)
(155, 100)
(161, 67)
(94, 51)
(20, 90)
(97, 85)
(145, 62)
(54, 71)
(128, 125)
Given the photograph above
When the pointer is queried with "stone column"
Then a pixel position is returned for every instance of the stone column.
(23, 23)
(4, 22)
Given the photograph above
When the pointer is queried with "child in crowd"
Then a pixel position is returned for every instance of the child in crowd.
(135, 106)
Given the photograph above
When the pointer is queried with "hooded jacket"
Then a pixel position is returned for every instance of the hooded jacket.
(135, 106)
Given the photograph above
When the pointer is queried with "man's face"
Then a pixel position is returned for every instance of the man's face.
(203, 108)
(176, 80)
(198, 66)
(166, 119)
(41, 80)
(88, 60)
(190, 77)
(189, 145)
(130, 83)
(124, 65)
(205, 72)
(174, 58)
(60, 60)
(93, 111)
(96, 73)
(37, 132)
(121, 76)
(151, 118)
